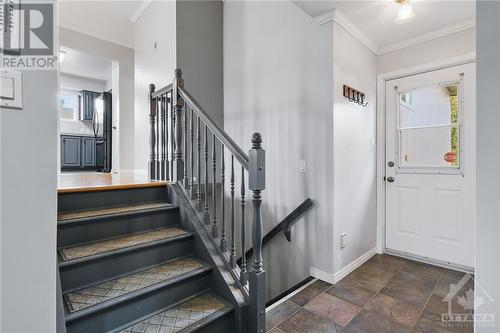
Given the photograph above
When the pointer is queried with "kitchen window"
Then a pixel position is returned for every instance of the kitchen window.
(70, 104)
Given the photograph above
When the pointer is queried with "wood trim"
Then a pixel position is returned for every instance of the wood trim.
(110, 187)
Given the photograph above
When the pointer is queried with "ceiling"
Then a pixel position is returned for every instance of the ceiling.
(86, 65)
(113, 20)
(376, 19)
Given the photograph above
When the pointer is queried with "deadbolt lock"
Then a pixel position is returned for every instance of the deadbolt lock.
(390, 179)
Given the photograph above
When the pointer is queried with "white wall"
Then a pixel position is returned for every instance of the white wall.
(73, 82)
(157, 27)
(354, 154)
(123, 115)
(488, 160)
(28, 160)
(450, 46)
(278, 81)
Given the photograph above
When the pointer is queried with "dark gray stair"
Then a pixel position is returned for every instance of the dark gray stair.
(202, 313)
(127, 258)
(80, 227)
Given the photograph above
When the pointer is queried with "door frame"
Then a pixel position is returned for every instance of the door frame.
(381, 136)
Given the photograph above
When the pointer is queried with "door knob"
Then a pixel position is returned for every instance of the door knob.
(390, 179)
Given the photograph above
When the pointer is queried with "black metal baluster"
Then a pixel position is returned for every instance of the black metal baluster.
(205, 210)
(243, 273)
(167, 163)
(215, 230)
(223, 241)
(232, 256)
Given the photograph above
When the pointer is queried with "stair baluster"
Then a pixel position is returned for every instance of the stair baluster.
(157, 155)
(172, 138)
(232, 257)
(243, 273)
(223, 241)
(215, 230)
(191, 186)
(186, 179)
(198, 189)
(205, 207)
(152, 133)
(178, 105)
(163, 137)
(166, 103)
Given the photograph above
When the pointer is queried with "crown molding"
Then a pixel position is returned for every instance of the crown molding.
(336, 16)
(140, 10)
(469, 24)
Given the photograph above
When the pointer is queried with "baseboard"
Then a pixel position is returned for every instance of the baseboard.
(334, 278)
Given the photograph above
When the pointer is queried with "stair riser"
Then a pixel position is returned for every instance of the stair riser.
(79, 275)
(99, 228)
(224, 324)
(125, 312)
(101, 199)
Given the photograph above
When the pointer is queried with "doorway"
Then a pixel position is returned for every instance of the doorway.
(430, 165)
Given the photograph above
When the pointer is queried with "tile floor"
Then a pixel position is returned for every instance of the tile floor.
(385, 295)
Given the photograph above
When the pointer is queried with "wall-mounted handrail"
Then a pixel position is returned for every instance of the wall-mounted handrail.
(219, 132)
(285, 225)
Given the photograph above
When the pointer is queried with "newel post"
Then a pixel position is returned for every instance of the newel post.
(152, 134)
(178, 104)
(257, 275)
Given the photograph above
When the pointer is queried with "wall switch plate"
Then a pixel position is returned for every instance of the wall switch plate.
(11, 89)
(342, 240)
(302, 166)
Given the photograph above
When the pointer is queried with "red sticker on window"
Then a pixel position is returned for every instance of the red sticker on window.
(450, 157)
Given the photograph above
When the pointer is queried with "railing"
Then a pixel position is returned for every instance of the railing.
(188, 147)
(284, 226)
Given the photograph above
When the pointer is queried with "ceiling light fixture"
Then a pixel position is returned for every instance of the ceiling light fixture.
(405, 13)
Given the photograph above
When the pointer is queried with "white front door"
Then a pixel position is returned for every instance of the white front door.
(430, 164)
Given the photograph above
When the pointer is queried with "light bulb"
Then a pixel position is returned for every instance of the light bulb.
(405, 13)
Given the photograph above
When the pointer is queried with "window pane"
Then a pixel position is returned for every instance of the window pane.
(69, 107)
(430, 147)
(429, 107)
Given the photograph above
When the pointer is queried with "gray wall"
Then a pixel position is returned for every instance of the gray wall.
(28, 207)
(488, 160)
(199, 52)
(124, 111)
(188, 35)
(278, 80)
(152, 65)
(354, 151)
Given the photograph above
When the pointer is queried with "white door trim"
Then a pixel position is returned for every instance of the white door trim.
(381, 142)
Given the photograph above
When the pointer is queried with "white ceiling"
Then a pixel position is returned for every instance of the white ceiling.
(86, 65)
(376, 19)
(111, 20)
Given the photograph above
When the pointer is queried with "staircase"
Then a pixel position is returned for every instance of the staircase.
(162, 257)
(128, 263)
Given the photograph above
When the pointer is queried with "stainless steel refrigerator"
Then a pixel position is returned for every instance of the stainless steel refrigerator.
(102, 127)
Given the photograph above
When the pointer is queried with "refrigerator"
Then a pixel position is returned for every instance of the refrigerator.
(102, 127)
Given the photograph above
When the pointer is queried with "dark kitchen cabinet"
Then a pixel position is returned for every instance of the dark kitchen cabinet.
(77, 152)
(88, 104)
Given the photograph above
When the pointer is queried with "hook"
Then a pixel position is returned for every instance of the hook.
(350, 93)
(363, 104)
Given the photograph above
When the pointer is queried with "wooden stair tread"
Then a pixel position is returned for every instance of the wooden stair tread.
(110, 187)
(182, 316)
(118, 287)
(71, 215)
(109, 245)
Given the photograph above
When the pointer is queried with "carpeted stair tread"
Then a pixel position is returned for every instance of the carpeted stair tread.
(72, 215)
(179, 317)
(86, 250)
(87, 297)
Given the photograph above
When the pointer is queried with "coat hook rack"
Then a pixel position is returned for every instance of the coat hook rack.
(355, 96)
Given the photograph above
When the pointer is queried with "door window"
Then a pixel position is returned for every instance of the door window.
(429, 127)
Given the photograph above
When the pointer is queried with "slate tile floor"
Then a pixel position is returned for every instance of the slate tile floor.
(385, 295)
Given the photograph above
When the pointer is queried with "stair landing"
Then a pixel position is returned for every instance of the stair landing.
(70, 182)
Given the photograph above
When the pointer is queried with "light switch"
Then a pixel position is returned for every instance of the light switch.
(11, 89)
